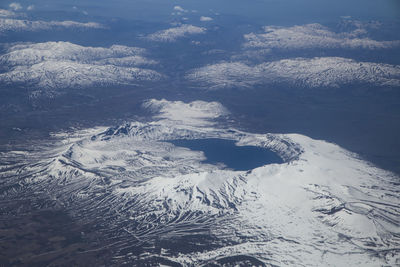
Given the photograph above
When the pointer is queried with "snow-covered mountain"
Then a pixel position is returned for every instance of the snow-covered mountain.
(320, 72)
(172, 34)
(20, 25)
(17, 22)
(316, 36)
(257, 62)
(322, 206)
(55, 65)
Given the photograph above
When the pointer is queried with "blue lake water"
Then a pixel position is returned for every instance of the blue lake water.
(239, 158)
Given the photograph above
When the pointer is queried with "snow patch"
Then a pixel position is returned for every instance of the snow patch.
(173, 34)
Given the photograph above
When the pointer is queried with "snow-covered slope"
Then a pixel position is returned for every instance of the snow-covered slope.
(314, 36)
(323, 206)
(7, 13)
(54, 65)
(173, 34)
(20, 25)
(301, 72)
(16, 22)
(261, 60)
(30, 54)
